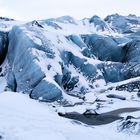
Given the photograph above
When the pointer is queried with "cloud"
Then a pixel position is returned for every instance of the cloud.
(6, 13)
(42, 9)
(3, 12)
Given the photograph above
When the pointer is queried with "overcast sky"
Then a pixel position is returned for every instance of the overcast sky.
(43, 9)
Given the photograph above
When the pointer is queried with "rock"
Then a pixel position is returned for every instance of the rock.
(6, 19)
(90, 112)
(3, 46)
(138, 94)
(129, 125)
(116, 96)
(130, 86)
(71, 83)
(36, 23)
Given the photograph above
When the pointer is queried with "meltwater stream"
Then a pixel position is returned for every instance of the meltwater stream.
(99, 119)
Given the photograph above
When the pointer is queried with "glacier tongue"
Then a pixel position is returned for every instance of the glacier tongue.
(50, 58)
(39, 60)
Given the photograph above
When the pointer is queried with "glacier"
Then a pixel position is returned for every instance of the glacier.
(88, 68)
(43, 67)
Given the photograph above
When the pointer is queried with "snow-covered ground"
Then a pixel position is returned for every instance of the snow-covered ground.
(2, 84)
(22, 118)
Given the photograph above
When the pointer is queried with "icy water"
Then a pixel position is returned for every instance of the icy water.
(99, 119)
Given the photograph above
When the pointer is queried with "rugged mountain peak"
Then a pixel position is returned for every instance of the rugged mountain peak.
(64, 19)
(123, 24)
(6, 19)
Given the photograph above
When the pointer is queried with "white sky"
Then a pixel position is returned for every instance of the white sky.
(43, 9)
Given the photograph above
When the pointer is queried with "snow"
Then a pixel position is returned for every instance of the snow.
(22, 118)
(113, 85)
(81, 27)
(90, 97)
(35, 39)
(2, 83)
(42, 59)
(134, 114)
(7, 25)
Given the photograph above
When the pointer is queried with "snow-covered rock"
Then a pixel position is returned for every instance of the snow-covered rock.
(100, 24)
(123, 24)
(3, 46)
(130, 125)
